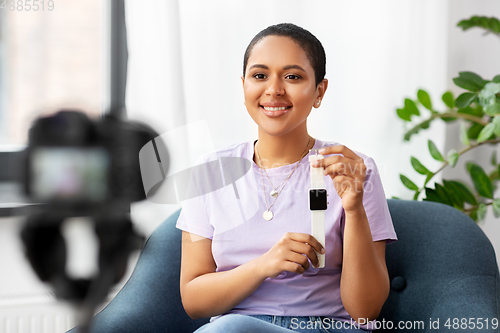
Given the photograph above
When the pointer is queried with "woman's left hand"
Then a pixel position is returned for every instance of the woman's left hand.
(348, 172)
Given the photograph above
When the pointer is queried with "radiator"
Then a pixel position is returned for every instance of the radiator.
(37, 312)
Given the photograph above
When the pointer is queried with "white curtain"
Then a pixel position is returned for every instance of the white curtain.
(186, 58)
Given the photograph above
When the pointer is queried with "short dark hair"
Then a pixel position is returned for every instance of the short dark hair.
(306, 40)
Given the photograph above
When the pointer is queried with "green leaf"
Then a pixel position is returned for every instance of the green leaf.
(429, 177)
(496, 79)
(473, 214)
(455, 197)
(492, 109)
(463, 134)
(419, 167)
(408, 183)
(496, 208)
(486, 96)
(481, 181)
(494, 158)
(496, 121)
(393, 197)
(404, 114)
(462, 83)
(443, 194)
(489, 24)
(479, 111)
(474, 130)
(473, 77)
(424, 99)
(494, 24)
(415, 129)
(448, 119)
(467, 110)
(452, 157)
(467, 24)
(470, 81)
(469, 166)
(492, 87)
(464, 100)
(434, 151)
(462, 191)
(431, 195)
(481, 212)
(494, 176)
(486, 132)
(483, 21)
(448, 99)
(411, 107)
(415, 196)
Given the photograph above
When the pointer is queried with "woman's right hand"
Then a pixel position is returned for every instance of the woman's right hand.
(291, 253)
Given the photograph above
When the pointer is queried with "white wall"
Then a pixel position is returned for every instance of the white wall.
(186, 68)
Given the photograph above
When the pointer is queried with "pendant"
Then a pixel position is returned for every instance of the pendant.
(274, 193)
(268, 215)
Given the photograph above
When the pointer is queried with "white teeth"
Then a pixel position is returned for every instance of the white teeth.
(281, 108)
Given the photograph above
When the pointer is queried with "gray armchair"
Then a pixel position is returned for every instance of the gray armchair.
(442, 267)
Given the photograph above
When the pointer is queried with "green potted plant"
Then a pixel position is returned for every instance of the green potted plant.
(478, 111)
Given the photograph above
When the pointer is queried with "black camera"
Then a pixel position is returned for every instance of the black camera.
(73, 167)
(76, 165)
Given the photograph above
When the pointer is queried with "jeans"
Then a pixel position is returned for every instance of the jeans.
(236, 323)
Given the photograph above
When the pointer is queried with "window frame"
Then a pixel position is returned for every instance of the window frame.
(115, 58)
(3, 77)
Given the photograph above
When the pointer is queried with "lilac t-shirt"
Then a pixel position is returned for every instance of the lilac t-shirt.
(232, 217)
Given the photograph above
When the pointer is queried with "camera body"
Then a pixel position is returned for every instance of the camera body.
(83, 167)
(74, 166)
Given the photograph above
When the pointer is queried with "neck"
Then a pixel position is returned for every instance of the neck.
(276, 151)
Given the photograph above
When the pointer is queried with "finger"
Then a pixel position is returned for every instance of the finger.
(293, 267)
(307, 251)
(306, 238)
(331, 160)
(342, 165)
(343, 169)
(339, 149)
(299, 259)
(343, 181)
(346, 183)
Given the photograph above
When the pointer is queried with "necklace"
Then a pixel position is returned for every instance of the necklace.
(274, 193)
(268, 215)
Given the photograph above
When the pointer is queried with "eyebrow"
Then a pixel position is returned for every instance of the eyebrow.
(284, 68)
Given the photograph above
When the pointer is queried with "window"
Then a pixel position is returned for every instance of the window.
(2, 77)
(49, 59)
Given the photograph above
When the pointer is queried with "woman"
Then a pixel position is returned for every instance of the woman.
(248, 259)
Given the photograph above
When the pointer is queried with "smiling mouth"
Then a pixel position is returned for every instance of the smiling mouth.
(280, 108)
(275, 111)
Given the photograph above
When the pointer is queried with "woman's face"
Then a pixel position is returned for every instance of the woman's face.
(279, 86)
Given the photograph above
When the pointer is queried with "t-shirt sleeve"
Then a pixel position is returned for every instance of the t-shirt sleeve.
(194, 217)
(375, 204)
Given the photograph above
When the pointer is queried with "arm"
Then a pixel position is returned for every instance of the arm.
(364, 285)
(206, 293)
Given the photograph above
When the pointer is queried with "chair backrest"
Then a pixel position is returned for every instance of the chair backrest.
(442, 267)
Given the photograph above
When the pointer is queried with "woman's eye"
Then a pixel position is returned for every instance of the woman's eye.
(293, 77)
(259, 76)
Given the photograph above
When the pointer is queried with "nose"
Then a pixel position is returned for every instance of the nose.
(275, 87)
